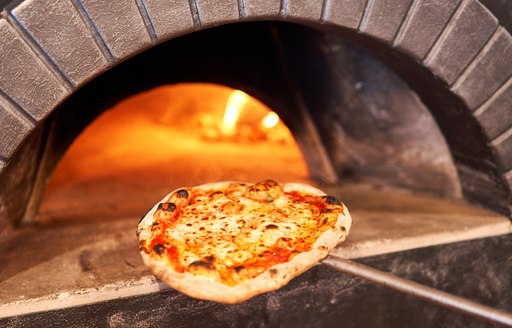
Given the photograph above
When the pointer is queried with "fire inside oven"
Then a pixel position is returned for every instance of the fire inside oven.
(164, 139)
(254, 101)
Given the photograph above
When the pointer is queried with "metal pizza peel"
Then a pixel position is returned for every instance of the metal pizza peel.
(420, 291)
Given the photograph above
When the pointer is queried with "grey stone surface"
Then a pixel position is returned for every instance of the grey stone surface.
(13, 131)
(384, 18)
(345, 13)
(24, 77)
(170, 17)
(120, 24)
(496, 115)
(61, 33)
(503, 149)
(323, 297)
(468, 32)
(217, 12)
(426, 22)
(305, 9)
(258, 8)
(17, 179)
(488, 72)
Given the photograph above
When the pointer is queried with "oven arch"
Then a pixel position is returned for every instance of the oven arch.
(41, 67)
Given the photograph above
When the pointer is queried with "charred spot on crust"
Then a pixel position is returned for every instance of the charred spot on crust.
(159, 249)
(322, 248)
(267, 183)
(332, 200)
(182, 193)
(201, 265)
(209, 259)
(239, 268)
(271, 226)
(167, 207)
(273, 272)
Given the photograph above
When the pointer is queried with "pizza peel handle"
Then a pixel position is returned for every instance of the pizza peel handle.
(420, 291)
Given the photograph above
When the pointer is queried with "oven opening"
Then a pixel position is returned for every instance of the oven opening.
(166, 138)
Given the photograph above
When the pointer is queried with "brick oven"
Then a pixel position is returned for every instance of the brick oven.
(402, 108)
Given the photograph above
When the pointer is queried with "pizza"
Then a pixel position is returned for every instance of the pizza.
(230, 241)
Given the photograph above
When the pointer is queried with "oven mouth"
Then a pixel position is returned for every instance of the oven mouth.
(160, 140)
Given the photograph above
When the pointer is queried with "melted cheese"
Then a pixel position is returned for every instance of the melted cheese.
(236, 232)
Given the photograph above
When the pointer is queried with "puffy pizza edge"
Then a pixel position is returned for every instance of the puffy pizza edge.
(274, 277)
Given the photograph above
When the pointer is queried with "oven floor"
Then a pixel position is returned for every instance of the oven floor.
(66, 263)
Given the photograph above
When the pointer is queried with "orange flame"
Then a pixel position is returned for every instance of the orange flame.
(234, 106)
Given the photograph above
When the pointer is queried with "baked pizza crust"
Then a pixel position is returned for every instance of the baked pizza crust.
(276, 276)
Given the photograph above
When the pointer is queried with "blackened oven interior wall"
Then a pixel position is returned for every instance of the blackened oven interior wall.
(374, 126)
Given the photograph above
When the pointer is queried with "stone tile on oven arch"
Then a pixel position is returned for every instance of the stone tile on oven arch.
(211, 13)
(495, 115)
(25, 78)
(491, 68)
(261, 8)
(425, 22)
(382, 19)
(14, 129)
(63, 35)
(463, 38)
(120, 24)
(165, 28)
(304, 9)
(345, 13)
(503, 147)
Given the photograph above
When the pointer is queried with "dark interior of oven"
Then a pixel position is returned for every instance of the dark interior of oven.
(371, 127)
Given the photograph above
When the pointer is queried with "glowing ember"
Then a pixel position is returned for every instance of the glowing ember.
(235, 104)
(270, 120)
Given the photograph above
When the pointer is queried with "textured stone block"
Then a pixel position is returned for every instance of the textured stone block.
(305, 9)
(13, 131)
(257, 8)
(215, 12)
(508, 177)
(73, 47)
(496, 115)
(426, 22)
(468, 32)
(160, 11)
(24, 77)
(346, 13)
(503, 148)
(120, 24)
(384, 18)
(488, 72)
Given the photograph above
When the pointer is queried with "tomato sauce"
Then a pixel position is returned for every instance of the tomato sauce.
(316, 201)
